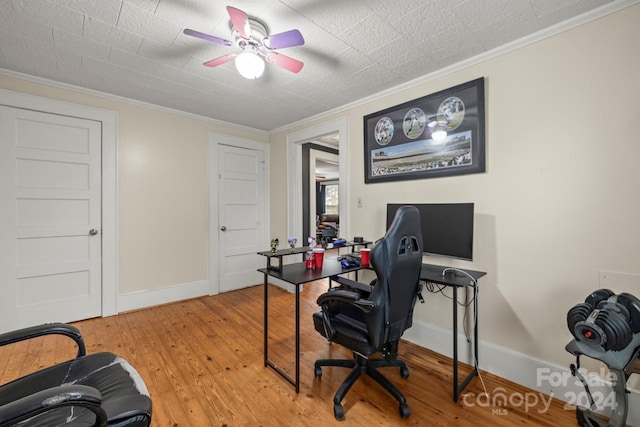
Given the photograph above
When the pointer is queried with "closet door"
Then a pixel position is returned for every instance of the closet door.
(241, 205)
(50, 218)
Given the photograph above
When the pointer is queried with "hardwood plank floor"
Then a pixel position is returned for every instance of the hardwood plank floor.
(202, 361)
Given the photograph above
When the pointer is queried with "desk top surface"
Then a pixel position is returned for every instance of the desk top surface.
(303, 249)
(433, 273)
(297, 273)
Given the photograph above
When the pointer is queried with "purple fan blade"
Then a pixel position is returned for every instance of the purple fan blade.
(287, 39)
(220, 61)
(207, 37)
(285, 62)
(240, 22)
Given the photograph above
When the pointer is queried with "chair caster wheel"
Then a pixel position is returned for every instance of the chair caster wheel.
(317, 372)
(338, 412)
(404, 372)
(404, 411)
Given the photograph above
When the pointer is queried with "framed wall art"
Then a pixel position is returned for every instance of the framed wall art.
(438, 135)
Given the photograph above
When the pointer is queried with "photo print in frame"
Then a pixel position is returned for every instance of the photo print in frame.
(438, 135)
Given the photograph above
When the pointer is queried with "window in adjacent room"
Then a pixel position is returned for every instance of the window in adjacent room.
(331, 198)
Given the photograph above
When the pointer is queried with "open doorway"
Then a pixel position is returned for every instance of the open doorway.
(296, 187)
(320, 165)
(323, 192)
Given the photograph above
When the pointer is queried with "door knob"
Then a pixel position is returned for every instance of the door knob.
(93, 232)
(223, 228)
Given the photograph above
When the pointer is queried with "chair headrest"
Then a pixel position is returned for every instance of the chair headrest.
(402, 238)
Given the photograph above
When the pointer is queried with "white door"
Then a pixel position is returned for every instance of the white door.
(50, 219)
(241, 216)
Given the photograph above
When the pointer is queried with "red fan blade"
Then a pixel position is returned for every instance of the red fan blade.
(285, 62)
(240, 22)
(221, 60)
(207, 37)
(287, 39)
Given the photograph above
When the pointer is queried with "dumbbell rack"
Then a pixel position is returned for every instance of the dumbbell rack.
(621, 364)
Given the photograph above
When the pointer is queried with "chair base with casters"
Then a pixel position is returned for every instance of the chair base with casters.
(360, 365)
(99, 389)
(370, 319)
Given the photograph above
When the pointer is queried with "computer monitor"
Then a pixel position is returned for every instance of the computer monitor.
(447, 228)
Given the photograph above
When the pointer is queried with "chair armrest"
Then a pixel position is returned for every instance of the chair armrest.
(53, 398)
(46, 329)
(348, 297)
(352, 284)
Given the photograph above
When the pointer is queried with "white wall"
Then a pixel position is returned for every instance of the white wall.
(559, 202)
(162, 193)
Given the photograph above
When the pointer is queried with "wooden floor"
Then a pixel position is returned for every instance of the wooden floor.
(202, 361)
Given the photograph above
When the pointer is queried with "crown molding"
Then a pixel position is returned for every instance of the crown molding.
(86, 91)
(551, 31)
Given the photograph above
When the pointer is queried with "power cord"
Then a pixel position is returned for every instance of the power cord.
(436, 288)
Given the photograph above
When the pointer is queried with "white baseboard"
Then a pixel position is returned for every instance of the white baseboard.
(543, 378)
(149, 298)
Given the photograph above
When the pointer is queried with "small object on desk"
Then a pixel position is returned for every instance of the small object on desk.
(339, 242)
(292, 242)
(358, 239)
(454, 272)
(323, 242)
(309, 261)
(274, 245)
(318, 257)
(348, 261)
(312, 242)
(364, 256)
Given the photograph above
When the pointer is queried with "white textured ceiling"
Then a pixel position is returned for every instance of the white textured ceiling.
(354, 48)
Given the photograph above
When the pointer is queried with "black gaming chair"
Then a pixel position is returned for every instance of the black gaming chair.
(99, 389)
(370, 319)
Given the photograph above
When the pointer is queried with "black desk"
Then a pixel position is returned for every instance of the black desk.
(433, 274)
(296, 274)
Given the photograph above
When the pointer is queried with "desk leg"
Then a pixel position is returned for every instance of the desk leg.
(297, 384)
(268, 363)
(475, 328)
(266, 320)
(457, 389)
(455, 343)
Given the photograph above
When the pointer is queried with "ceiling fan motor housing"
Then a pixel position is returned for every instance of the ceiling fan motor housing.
(258, 33)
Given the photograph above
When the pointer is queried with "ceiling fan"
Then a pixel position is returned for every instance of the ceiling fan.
(255, 42)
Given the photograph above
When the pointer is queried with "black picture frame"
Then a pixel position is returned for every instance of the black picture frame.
(399, 144)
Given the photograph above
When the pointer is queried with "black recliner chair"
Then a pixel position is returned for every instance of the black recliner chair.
(370, 319)
(99, 389)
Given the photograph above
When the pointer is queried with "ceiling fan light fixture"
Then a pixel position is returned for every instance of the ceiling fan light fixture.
(256, 44)
(249, 65)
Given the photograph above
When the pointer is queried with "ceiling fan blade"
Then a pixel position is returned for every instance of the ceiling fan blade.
(221, 60)
(285, 62)
(287, 39)
(240, 22)
(207, 37)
